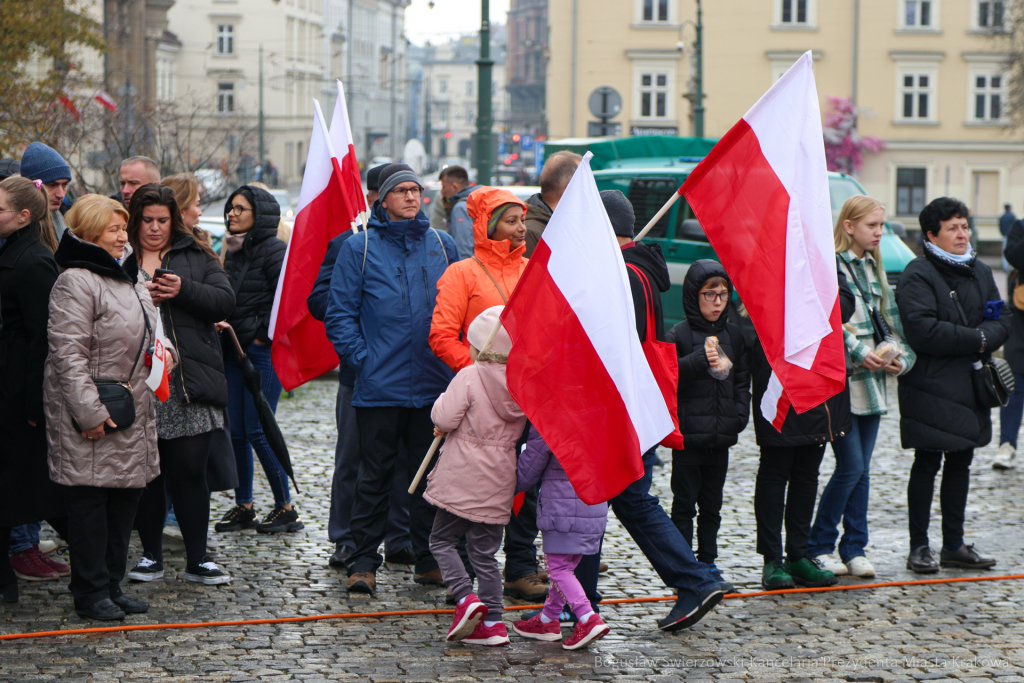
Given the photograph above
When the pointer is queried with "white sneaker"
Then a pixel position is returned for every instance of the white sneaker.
(1006, 458)
(859, 566)
(831, 564)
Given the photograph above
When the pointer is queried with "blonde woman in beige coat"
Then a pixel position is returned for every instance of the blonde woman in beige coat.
(101, 315)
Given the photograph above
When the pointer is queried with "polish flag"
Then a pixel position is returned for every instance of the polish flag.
(106, 100)
(344, 144)
(300, 350)
(65, 99)
(576, 367)
(762, 197)
(158, 380)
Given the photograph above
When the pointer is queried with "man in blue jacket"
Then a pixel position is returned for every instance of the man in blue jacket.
(378, 317)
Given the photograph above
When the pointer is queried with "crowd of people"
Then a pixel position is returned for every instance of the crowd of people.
(411, 304)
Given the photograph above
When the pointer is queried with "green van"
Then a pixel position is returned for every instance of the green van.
(648, 183)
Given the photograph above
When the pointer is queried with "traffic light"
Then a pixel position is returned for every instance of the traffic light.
(448, 135)
(515, 138)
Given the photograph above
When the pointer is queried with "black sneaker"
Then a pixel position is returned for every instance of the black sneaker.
(206, 572)
(147, 569)
(280, 520)
(237, 518)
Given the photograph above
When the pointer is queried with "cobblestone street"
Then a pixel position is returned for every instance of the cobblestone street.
(962, 631)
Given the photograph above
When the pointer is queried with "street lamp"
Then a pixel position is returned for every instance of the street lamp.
(697, 96)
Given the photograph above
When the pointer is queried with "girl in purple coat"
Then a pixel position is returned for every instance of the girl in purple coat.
(571, 530)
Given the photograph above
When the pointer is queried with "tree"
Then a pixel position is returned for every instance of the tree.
(844, 146)
(1007, 35)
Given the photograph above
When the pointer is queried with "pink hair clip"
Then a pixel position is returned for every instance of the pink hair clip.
(38, 183)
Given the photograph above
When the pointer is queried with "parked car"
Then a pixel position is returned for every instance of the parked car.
(212, 184)
(284, 200)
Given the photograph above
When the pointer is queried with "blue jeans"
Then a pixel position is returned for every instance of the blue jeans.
(246, 431)
(657, 537)
(1010, 415)
(846, 495)
(24, 537)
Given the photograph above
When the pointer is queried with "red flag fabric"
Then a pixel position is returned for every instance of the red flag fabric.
(761, 196)
(106, 100)
(344, 144)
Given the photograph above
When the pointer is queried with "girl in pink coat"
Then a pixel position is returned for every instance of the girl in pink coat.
(474, 481)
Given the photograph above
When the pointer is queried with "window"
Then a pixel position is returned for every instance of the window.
(442, 85)
(225, 39)
(225, 98)
(916, 96)
(989, 14)
(656, 10)
(653, 95)
(917, 13)
(794, 12)
(469, 88)
(910, 188)
(647, 195)
(289, 38)
(987, 96)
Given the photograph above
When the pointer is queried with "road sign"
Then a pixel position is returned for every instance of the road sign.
(605, 102)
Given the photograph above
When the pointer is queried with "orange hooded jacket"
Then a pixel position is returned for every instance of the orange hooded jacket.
(465, 290)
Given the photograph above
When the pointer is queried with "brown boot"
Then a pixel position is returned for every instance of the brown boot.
(530, 587)
(602, 568)
(431, 578)
(361, 582)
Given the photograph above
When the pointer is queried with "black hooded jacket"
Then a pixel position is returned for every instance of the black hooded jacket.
(205, 298)
(712, 412)
(254, 269)
(818, 426)
(649, 259)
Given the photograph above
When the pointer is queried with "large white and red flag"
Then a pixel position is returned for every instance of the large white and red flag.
(576, 367)
(762, 197)
(300, 350)
(344, 144)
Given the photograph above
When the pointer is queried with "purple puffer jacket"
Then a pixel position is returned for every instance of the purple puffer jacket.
(570, 526)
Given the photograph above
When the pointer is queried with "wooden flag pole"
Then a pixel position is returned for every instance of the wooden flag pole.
(437, 439)
(657, 217)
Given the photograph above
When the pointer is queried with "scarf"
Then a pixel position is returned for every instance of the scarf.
(963, 259)
(234, 242)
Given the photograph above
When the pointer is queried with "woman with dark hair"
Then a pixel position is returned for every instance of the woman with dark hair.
(27, 274)
(954, 319)
(191, 292)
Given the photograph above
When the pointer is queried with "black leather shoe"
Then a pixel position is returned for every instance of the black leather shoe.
(921, 561)
(10, 593)
(130, 605)
(103, 610)
(340, 557)
(966, 557)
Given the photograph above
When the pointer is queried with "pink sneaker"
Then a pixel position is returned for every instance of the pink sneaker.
(27, 565)
(467, 615)
(59, 567)
(537, 629)
(488, 635)
(584, 634)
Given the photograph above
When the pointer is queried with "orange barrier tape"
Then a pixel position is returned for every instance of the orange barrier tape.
(364, 615)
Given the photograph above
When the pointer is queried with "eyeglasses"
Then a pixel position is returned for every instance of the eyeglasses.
(236, 210)
(414, 191)
(9, 211)
(712, 297)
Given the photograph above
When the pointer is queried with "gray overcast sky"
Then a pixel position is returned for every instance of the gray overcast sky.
(448, 19)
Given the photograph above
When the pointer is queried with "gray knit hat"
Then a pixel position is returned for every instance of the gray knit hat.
(620, 212)
(393, 175)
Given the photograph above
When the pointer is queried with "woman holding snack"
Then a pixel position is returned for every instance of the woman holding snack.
(874, 339)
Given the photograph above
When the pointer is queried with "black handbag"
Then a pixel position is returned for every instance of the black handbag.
(116, 395)
(880, 328)
(993, 382)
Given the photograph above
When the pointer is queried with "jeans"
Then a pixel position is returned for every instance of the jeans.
(1010, 415)
(343, 486)
(381, 433)
(521, 539)
(698, 479)
(846, 495)
(956, 480)
(565, 587)
(796, 466)
(246, 431)
(482, 543)
(659, 540)
(27, 535)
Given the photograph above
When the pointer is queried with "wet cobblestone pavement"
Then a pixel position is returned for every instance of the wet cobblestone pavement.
(961, 631)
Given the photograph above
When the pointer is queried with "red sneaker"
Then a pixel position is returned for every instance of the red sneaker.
(537, 629)
(59, 567)
(488, 635)
(467, 616)
(586, 633)
(27, 565)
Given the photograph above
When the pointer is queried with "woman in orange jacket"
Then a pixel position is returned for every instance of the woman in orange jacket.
(473, 285)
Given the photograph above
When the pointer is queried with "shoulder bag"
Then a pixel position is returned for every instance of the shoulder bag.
(993, 381)
(880, 328)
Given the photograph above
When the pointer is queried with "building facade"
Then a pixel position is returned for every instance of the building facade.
(526, 66)
(928, 74)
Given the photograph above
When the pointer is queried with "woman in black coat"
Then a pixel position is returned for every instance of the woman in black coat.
(1011, 414)
(27, 274)
(191, 297)
(939, 416)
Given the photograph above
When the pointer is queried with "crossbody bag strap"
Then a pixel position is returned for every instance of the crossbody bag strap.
(145, 316)
(445, 251)
(495, 282)
(237, 284)
(648, 295)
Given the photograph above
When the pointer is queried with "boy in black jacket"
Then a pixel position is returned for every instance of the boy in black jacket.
(712, 412)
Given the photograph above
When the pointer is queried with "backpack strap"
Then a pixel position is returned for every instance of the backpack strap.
(648, 295)
(445, 251)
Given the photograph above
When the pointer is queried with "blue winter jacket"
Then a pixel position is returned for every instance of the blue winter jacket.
(321, 294)
(378, 315)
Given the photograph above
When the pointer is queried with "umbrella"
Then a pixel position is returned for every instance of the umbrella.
(254, 382)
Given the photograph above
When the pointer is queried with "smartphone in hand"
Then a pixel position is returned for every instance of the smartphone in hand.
(160, 272)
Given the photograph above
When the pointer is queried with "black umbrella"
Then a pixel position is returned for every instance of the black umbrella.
(254, 383)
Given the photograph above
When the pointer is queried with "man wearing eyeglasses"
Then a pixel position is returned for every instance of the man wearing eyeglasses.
(381, 301)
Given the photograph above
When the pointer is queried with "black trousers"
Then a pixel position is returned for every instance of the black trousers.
(521, 539)
(956, 480)
(380, 432)
(99, 527)
(796, 466)
(698, 479)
